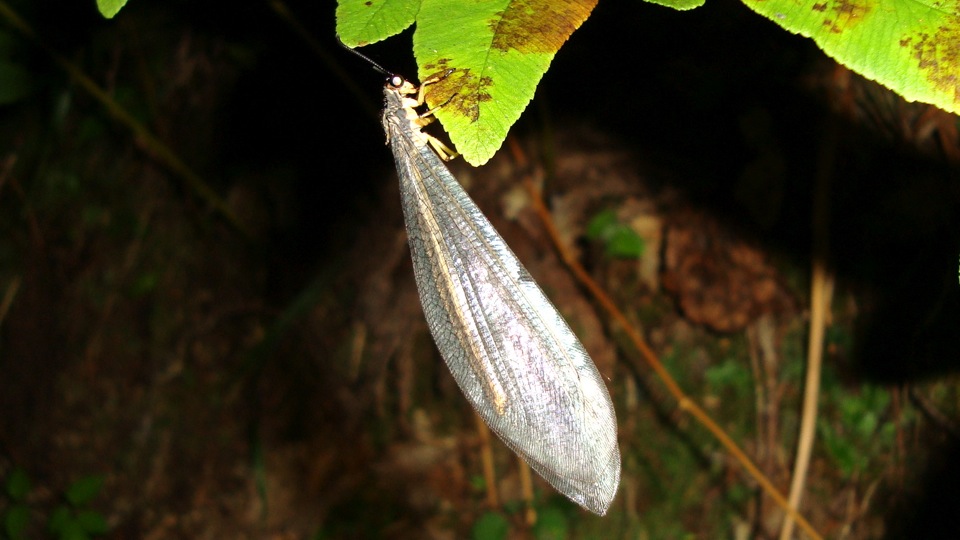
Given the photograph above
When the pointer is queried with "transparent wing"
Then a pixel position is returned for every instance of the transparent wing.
(510, 351)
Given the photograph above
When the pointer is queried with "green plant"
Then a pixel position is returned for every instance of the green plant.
(74, 520)
(17, 516)
(552, 524)
(109, 8)
(730, 380)
(860, 432)
(490, 55)
(619, 240)
(490, 526)
(71, 520)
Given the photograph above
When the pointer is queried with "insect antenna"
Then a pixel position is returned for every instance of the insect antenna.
(375, 65)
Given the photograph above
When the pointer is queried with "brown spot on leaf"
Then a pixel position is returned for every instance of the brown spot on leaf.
(460, 91)
(938, 57)
(846, 14)
(438, 66)
(538, 26)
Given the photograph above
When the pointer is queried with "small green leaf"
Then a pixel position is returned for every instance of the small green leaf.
(84, 490)
(600, 226)
(485, 58)
(15, 521)
(908, 46)
(679, 5)
(361, 22)
(551, 524)
(845, 454)
(478, 482)
(619, 240)
(72, 530)
(490, 526)
(729, 373)
(109, 8)
(625, 244)
(59, 519)
(92, 522)
(867, 425)
(18, 484)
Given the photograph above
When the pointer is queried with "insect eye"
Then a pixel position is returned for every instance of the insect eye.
(396, 81)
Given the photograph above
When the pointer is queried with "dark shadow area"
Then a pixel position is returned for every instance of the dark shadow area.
(927, 507)
(684, 89)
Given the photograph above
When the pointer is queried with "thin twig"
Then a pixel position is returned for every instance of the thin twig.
(684, 403)
(932, 413)
(819, 302)
(526, 487)
(154, 146)
(821, 292)
(486, 460)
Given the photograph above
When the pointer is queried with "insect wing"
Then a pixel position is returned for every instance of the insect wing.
(510, 351)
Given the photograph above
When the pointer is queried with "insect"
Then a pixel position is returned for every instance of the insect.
(512, 354)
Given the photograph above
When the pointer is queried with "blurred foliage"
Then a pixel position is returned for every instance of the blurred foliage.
(490, 526)
(619, 239)
(71, 520)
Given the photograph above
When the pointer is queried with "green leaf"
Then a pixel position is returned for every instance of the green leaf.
(84, 490)
(485, 57)
(625, 243)
(72, 530)
(15, 521)
(679, 5)
(490, 526)
(552, 524)
(842, 450)
(92, 522)
(59, 519)
(729, 373)
(109, 8)
(910, 46)
(18, 484)
(600, 226)
(361, 22)
(619, 240)
(498, 51)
